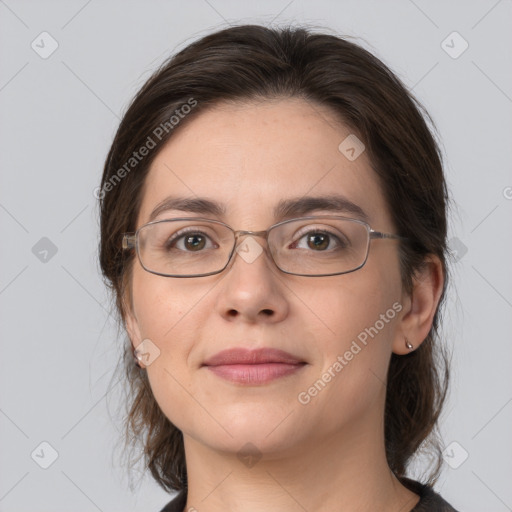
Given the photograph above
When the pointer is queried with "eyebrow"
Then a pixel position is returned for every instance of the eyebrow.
(285, 209)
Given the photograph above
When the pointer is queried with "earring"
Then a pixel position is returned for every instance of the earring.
(408, 344)
(136, 358)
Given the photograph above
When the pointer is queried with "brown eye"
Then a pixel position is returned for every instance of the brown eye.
(194, 242)
(189, 241)
(321, 241)
(318, 241)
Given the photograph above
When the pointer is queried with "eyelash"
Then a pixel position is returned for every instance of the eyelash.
(321, 231)
(180, 234)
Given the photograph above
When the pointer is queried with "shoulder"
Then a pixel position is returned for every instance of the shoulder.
(430, 501)
(177, 504)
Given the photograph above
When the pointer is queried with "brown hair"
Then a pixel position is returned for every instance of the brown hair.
(254, 62)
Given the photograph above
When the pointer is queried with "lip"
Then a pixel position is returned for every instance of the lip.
(259, 366)
(255, 356)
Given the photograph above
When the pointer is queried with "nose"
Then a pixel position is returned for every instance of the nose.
(252, 289)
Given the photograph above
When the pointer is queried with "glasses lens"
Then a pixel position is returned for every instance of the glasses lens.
(184, 247)
(320, 246)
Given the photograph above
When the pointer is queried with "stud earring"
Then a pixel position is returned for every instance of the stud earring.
(408, 344)
(136, 358)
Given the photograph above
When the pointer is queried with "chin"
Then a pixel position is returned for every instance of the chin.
(264, 428)
(249, 442)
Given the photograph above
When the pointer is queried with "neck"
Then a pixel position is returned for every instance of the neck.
(324, 474)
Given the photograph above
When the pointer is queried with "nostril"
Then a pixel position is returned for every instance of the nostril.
(268, 312)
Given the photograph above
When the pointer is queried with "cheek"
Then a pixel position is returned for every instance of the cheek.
(165, 315)
(354, 302)
(159, 306)
(361, 313)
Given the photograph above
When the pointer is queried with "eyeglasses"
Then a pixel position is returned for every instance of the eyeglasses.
(307, 246)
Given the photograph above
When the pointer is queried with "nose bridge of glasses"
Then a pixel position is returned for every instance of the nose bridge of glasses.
(246, 250)
(242, 232)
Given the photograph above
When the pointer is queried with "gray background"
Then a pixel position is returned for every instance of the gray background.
(57, 119)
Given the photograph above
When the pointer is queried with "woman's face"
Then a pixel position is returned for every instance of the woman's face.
(249, 157)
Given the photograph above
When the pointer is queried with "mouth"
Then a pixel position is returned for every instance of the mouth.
(253, 367)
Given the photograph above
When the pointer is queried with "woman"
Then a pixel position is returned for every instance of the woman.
(273, 227)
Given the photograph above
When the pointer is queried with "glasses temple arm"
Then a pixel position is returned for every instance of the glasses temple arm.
(129, 240)
(378, 234)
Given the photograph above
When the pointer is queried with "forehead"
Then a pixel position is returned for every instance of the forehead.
(251, 156)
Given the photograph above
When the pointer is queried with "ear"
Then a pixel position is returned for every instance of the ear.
(420, 307)
(132, 327)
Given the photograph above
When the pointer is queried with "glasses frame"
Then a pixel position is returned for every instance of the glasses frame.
(131, 241)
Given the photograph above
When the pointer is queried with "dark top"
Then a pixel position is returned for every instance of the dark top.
(430, 501)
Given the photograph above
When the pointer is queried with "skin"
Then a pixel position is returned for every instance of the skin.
(323, 456)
